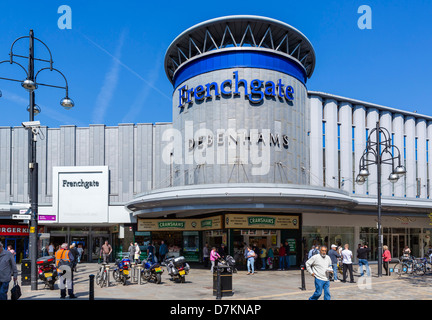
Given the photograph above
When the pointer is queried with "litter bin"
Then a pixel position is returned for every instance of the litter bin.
(225, 274)
(25, 272)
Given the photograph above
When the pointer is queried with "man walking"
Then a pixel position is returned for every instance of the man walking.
(131, 251)
(287, 253)
(106, 251)
(206, 255)
(334, 256)
(320, 266)
(282, 257)
(163, 250)
(64, 263)
(7, 270)
(362, 253)
(347, 263)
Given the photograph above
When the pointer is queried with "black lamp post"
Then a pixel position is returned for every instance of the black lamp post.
(30, 84)
(381, 151)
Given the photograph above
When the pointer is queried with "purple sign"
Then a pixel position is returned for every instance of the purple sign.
(47, 218)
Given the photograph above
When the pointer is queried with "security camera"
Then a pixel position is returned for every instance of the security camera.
(31, 124)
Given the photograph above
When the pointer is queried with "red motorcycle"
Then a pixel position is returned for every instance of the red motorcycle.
(47, 271)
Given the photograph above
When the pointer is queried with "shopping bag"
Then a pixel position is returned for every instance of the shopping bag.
(15, 292)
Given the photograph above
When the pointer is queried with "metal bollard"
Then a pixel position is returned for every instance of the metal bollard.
(108, 275)
(303, 287)
(139, 274)
(219, 284)
(91, 287)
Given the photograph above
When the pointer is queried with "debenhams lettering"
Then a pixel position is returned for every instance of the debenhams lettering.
(80, 184)
(271, 89)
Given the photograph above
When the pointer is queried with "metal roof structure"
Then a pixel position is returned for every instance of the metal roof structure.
(239, 32)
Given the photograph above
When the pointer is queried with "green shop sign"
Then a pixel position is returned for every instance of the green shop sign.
(206, 223)
(171, 224)
(261, 220)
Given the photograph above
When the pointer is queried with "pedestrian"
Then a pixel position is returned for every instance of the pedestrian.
(245, 253)
(8, 269)
(406, 253)
(222, 251)
(347, 263)
(163, 250)
(429, 253)
(106, 251)
(11, 250)
(131, 251)
(137, 253)
(150, 252)
(256, 250)
(313, 251)
(51, 249)
(320, 267)
(334, 256)
(80, 252)
(75, 254)
(251, 255)
(263, 256)
(64, 263)
(206, 255)
(386, 259)
(270, 258)
(362, 253)
(281, 257)
(287, 252)
(214, 255)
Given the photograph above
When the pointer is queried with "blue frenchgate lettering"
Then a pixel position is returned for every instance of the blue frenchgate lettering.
(233, 87)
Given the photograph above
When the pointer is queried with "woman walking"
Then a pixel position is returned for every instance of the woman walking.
(213, 257)
(250, 260)
(386, 259)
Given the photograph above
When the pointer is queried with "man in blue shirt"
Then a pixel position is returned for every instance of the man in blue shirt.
(334, 256)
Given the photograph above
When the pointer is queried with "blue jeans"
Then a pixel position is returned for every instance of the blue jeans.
(4, 287)
(319, 286)
(366, 264)
(287, 264)
(250, 264)
(281, 262)
(335, 271)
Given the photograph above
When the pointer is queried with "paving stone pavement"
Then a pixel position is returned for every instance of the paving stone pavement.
(263, 285)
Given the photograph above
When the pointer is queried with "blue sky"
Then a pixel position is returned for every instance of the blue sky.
(113, 55)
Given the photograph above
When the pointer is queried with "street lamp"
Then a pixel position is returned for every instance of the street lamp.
(30, 84)
(378, 152)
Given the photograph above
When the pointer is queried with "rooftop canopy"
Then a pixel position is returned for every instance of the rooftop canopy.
(238, 33)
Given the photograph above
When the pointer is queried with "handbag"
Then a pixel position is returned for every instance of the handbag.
(15, 292)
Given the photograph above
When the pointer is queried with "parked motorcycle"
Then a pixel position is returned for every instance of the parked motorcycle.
(121, 270)
(47, 271)
(151, 271)
(229, 262)
(177, 268)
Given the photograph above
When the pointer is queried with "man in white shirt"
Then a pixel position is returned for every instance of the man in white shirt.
(319, 266)
(347, 263)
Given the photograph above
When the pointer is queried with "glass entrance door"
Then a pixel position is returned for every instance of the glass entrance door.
(81, 243)
(398, 243)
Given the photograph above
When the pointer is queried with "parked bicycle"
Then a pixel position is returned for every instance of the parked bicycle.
(409, 265)
(102, 275)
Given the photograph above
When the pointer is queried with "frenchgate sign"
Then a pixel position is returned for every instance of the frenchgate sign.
(80, 193)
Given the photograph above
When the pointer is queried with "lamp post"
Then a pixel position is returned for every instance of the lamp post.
(30, 84)
(382, 152)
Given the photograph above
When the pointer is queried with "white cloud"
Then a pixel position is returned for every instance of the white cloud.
(107, 90)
